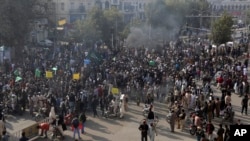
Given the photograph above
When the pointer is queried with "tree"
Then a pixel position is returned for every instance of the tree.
(112, 26)
(16, 18)
(99, 25)
(222, 29)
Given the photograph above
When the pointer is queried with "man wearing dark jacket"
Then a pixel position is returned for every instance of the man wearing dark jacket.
(244, 104)
(144, 131)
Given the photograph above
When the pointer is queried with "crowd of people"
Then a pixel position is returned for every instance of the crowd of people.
(143, 74)
(222, 67)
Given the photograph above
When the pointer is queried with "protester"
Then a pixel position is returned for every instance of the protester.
(44, 129)
(152, 131)
(220, 133)
(244, 104)
(75, 123)
(2, 127)
(172, 119)
(23, 138)
(209, 130)
(5, 137)
(144, 130)
(199, 133)
(82, 119)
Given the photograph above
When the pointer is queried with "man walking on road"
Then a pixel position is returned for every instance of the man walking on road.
(75, 123)
(244, 104)
(144, 130)
(172, 118)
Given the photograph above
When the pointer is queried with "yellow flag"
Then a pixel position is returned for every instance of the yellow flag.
(62, 22)
(49, 74)
(76, 76)
(114, 90)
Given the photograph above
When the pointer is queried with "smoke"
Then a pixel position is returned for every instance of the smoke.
(149, 36)
(165, 27)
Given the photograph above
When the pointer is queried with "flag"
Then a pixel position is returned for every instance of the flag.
(54, 69)
(76, 76)
(37, 73)
(86, 61)
(49, 74)
(152, 63)
(93, 55)
(62, 22)
(18, 79)
(16, 72)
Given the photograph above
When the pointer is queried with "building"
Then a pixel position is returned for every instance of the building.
(73, 10)
(236, 8)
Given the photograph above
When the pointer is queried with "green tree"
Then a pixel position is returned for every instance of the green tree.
(99, 25)
(16, 17)
(222, 29)
(86, 31)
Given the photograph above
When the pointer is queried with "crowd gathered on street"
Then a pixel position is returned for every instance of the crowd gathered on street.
(66, 81)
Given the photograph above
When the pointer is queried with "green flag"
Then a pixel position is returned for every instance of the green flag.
(18, 79)
(151, 63)
(37, 73)
(16, 72)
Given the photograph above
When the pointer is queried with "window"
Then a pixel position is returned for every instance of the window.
(53, 5)
(62, 6)
(140, 7)
(72, 5)
(106, 5)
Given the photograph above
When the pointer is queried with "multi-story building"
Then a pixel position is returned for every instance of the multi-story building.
(237, 8)
(71, 10)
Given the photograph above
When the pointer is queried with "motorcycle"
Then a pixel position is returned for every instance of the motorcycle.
(56, 133)
(193, 128)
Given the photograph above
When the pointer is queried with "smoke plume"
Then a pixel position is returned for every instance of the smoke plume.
(166, 25)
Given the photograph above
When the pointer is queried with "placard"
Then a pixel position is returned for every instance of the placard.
(49, 74)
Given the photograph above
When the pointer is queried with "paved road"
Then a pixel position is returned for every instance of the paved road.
(102, 129)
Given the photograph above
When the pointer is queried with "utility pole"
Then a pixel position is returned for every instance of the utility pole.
(116, 33)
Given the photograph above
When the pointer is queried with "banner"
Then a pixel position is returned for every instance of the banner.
(62, 22)
(76, 76)
(49, 74)
(115, 91)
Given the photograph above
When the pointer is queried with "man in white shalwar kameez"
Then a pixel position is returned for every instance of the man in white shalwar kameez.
(121, 105)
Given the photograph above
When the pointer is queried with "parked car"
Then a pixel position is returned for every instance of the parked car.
(45, 42)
